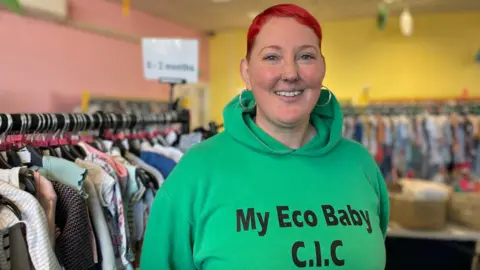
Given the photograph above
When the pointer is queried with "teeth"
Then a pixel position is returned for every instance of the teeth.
(288, 94)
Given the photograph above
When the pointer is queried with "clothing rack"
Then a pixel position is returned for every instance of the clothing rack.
(127, 104)
(47, 122)
(424, 139)
(83, 178)
(413, 108)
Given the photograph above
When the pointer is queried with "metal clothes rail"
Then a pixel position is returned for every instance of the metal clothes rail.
(49, 122)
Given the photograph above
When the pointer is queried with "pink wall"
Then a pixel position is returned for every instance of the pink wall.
(45, 67)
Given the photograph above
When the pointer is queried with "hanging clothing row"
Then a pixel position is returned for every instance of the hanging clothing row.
(418, 142)
(76, 189)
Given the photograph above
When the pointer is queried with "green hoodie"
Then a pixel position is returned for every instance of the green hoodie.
(242, 200)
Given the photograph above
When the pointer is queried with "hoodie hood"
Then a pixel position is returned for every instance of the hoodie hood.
(328, 120)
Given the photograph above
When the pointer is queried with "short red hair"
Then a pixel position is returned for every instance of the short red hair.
(283, 10)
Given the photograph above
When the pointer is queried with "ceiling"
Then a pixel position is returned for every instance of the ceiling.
(227, 14)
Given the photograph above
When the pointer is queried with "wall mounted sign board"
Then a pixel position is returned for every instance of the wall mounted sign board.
(170, 60)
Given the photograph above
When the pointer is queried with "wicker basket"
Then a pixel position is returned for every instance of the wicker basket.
(418, 214)
(464, 208)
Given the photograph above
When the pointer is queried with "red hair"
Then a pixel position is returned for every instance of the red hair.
(283, 10)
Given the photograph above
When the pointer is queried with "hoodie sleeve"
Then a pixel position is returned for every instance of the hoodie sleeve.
(168, 238)
(384, 203)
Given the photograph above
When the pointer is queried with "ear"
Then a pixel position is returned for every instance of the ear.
(244, 73)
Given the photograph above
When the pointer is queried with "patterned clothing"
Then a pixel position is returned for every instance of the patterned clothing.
(73, 243)
(39, 247)
(114, 212)
(100, 188)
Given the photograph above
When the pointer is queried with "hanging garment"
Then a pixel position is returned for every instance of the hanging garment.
(63, 171)
(115, 216)
(160, 162)
(47, 198)
(13, 249)
(73, 242)
(11, 176)
(88, 198)
(139, 162)
(447, 141)
(459, 153)
(358, 132)
(139, 229)
(18, 248)
(100, 188)
(167, 151)
(102, 234)
(148, 201)
(130, 197)
(470, 150)
(39, 247)
(119, 171)
(5, 263)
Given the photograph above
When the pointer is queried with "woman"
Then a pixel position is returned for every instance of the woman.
(280, 188)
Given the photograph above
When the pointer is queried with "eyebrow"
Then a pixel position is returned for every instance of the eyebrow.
(275, 47)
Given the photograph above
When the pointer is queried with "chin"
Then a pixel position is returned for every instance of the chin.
(291, 119)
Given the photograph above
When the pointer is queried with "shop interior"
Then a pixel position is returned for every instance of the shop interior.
(79, 78)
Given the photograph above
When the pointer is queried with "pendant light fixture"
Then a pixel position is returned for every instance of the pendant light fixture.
(406, 22)
(382, 16)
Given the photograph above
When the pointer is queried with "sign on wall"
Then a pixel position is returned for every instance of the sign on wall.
(170, 60)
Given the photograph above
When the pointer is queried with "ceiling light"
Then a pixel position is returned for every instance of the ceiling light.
(406, 23)
(220, 1)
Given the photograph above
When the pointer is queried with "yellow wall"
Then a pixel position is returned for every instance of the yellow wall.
(438, 61)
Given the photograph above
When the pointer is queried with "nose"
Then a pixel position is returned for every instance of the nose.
(290, 71)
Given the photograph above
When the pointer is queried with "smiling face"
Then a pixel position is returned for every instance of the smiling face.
(285, 71)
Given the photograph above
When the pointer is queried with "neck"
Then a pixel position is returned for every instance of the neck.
(294, 136)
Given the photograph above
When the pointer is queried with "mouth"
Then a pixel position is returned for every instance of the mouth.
(289, 93)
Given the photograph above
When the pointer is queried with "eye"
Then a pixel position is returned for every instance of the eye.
(270, 58)
(307, 57)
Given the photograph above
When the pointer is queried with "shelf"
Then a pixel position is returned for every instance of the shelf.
(450, 232)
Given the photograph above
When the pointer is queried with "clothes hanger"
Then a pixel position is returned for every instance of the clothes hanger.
(113, 136)
(134, 143)
(43, 126)
(75, 150)
(13, 157)
(97, 142)
(122, 129)
(51, 145)
(134, 146)
(151, 179)
(81, 152)
(3, 154)
(105, 135)
(146, 179)
(4, 163)
(141, 178)
(27, 178)
(64, 149)
(11, 205)
(160, 139)
(36, 156)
